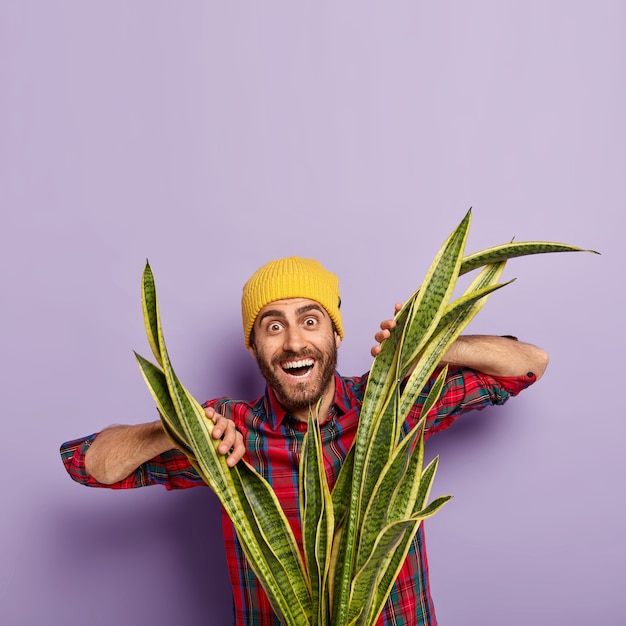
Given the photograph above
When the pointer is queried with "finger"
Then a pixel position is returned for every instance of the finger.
(398, 306)
(232, 440)
(388, 324)
(228, 439)
(220, 426)
(237, 452)
(381, 335)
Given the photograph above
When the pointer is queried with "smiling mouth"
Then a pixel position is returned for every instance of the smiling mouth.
(298, 369)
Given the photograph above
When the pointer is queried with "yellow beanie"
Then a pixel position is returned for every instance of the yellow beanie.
(293, 277)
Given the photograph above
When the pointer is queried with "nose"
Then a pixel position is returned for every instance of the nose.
(295, 339)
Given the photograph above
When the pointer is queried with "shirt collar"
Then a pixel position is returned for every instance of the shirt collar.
(276, 413)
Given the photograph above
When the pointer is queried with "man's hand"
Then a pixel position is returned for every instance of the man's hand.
(118, 451)
(383, 333)
(232, 441)
(495, 356)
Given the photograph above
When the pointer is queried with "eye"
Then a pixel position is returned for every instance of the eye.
(274, 327)
(310, 322)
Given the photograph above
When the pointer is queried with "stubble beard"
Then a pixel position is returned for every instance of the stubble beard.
(294, 396)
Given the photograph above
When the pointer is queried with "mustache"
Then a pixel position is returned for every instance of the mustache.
(303, 354)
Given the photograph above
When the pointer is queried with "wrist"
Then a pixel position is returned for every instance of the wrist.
(159, 440)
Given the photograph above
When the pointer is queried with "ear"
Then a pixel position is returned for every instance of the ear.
(337, 340)
(252, 351)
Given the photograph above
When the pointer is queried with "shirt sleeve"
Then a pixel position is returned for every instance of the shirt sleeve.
(466, 390)
(171, 469)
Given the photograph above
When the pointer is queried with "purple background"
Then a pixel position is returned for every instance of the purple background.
(213, 137)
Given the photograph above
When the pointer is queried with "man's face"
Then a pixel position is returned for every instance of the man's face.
(296, 349)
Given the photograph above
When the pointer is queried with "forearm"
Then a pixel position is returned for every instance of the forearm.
(118, 451)
(496, 356)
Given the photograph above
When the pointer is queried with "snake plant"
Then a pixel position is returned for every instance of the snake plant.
(355, 538)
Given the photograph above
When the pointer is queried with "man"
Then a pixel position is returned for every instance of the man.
(293, 328)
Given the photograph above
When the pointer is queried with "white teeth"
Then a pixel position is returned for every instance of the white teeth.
(296, 364)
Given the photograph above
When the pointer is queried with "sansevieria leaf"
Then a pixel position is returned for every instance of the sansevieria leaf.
(318, 522)
(248, 499)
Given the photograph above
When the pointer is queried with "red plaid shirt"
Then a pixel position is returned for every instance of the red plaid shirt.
(273, 442)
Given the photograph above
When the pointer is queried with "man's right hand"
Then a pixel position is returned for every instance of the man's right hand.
(232, 441)
(384, 332)
(119, 450)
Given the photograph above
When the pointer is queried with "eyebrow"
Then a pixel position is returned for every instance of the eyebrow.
(310, 307)
(280, 315)
(271, 313)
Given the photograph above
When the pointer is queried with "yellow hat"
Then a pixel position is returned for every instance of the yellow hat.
(293, 277)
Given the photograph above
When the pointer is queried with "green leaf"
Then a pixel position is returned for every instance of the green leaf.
(436, 290)
(380, 508)
(425, 485)
(155, 379)
(363, 588)
(496, 254)
(456, 317)
(387, 577)
(341, 490)
(482, 286)
(318, 523)
(150, 308)
(248, 499)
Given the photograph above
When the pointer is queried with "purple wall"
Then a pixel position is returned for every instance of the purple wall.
(212, 137)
